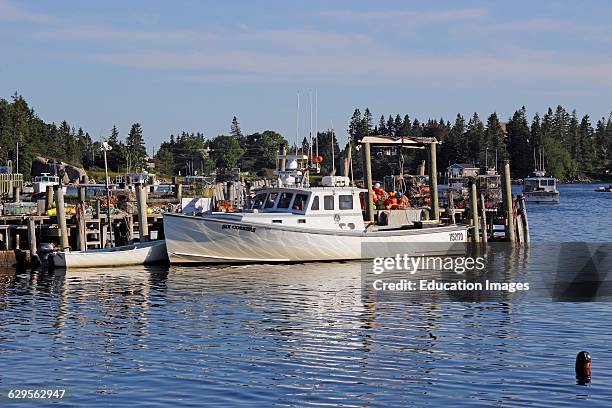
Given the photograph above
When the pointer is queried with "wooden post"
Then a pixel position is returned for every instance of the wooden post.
(283, 163)
(474, 211)
(451, 208)
(82, 236)
(49, 198)
(368, 169)
(98, 209)
(82, 194)
(508, 210)
(16, 194)
(433, 183)
(141, 201)
(526, 234)
(61, 217)
(32, 236)
(483, 216)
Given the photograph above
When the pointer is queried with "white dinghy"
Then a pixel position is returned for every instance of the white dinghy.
(135, 254)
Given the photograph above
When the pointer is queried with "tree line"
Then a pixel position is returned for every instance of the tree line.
(572, 147)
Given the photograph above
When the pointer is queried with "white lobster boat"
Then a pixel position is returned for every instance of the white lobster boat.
(293, 222)
(540, 189)
(135, 254)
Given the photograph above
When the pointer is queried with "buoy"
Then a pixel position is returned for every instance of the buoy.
(583, 368)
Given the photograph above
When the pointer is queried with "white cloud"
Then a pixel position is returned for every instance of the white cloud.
(418, 17)
(13, 13)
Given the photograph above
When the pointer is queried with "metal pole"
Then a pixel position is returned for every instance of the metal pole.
(433, 183)
(108, 208)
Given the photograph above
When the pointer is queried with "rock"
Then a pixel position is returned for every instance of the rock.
(69, 173)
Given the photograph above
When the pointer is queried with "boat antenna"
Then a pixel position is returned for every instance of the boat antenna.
(316, 122)
(351, 162)
(332, 150)
(310, 141)
(535, 162)
(297, 124)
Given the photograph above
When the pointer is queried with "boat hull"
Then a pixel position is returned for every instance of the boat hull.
(542, 198)
(195, 239)
(137, 254)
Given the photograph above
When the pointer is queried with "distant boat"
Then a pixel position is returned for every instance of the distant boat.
(135, 254)
(602, 189)
(41, 182)
(539, 189)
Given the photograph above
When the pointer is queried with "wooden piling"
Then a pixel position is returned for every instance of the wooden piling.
(283, 163)
(483, 217)
(32, 236)
(525, 220)
(474, 211)
(433, 183)
(49, 198)
(141, 201)
(81, 227)
(61, 217)
(368, 167)
(16, 194)
(508, 210)
(451, 208)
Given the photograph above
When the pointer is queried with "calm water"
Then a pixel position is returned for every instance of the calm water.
(300, 335)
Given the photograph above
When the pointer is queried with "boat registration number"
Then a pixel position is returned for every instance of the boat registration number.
(456, 236)
(238, 227)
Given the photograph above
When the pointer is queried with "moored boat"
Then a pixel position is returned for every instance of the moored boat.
(602, 189)
(293, 222)
(540, 189)
(135, 254)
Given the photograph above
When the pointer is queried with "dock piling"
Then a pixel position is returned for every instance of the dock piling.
(483, 217)
(433, 182)
(141, 201)
(474, 211)
(508, 208)
(49, 198)
(368, 165)
(61, 217)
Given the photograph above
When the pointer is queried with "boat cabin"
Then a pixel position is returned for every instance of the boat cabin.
(321, 207)
(540, 184)
(41, 182)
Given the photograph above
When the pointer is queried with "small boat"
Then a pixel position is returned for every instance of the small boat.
(602, 189)
(135, 254)
(540, 189)
(41, 182)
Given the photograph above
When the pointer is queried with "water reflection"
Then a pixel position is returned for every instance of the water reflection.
(287, 334)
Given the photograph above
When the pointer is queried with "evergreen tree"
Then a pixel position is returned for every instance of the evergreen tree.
(235, 128)
(135, 148)
(519, 147)
(475, 136)
(382, 127)
(496, 142)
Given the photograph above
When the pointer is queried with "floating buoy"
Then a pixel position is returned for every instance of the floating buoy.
(583, 368)
(317, 159)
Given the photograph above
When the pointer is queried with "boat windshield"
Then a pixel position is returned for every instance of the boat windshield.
(258, 201)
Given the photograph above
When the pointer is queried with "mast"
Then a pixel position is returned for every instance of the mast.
(297, 124)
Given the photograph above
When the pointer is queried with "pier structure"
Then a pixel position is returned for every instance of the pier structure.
(504, 222)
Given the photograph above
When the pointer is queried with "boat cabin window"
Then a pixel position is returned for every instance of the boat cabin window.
(259, 200)
(284, 200)
(315, 204)
(270, 201)
(328, 202)
(345, 202)
(300, 202)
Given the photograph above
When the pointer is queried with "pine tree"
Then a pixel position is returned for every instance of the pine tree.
(135, 147)
(519, 147)
(382, 127)
(475, 135)
(496, 142)
(235, 128)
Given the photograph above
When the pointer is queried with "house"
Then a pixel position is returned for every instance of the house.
(463, 170)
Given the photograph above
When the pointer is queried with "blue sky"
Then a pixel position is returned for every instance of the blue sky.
(192, 65)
